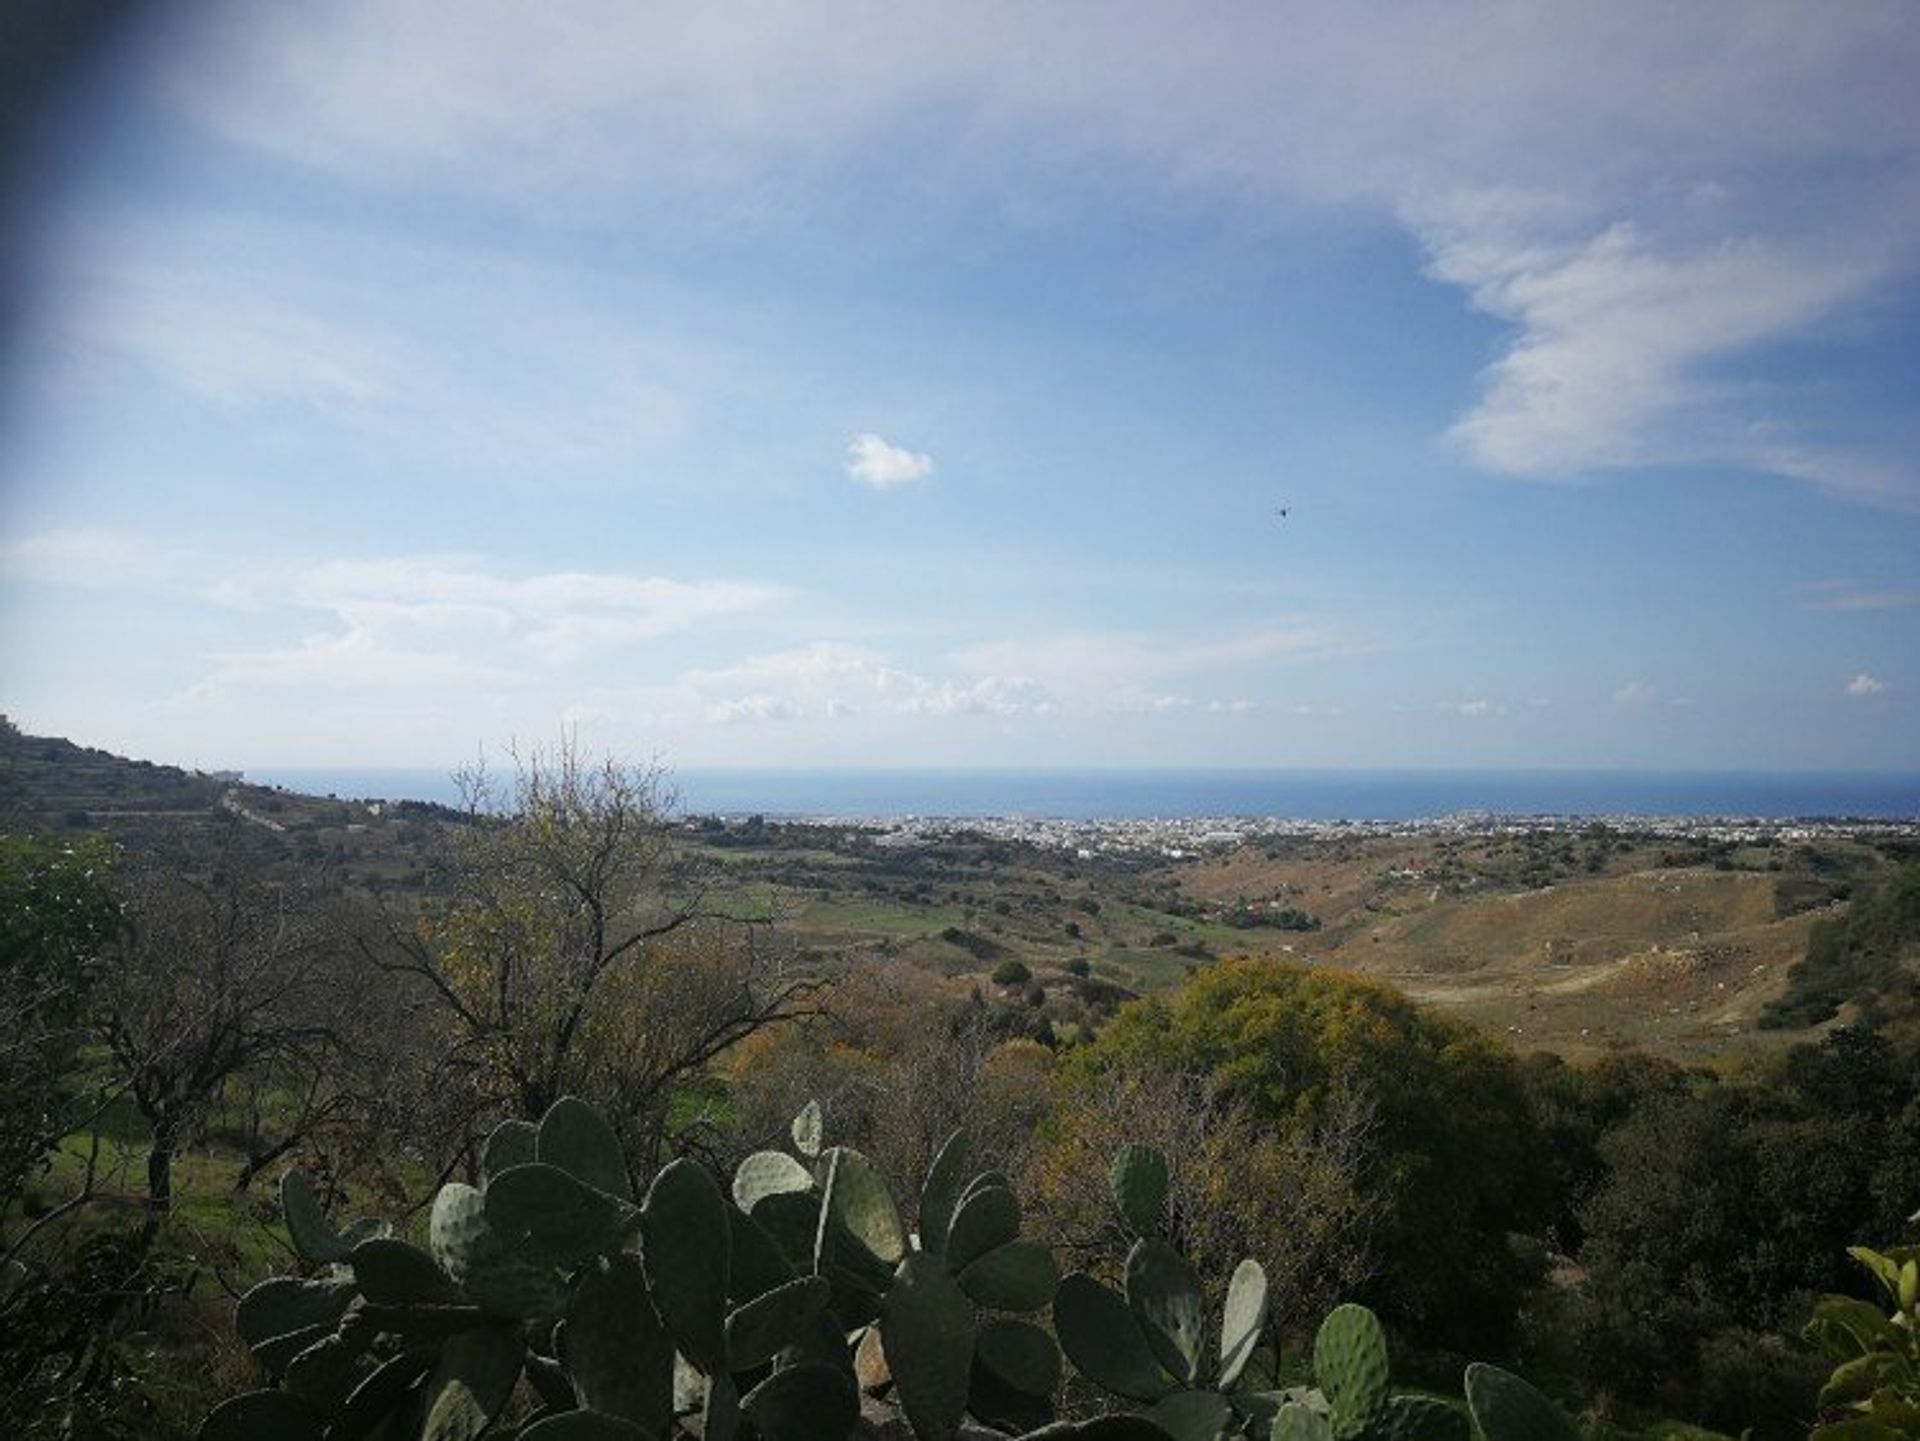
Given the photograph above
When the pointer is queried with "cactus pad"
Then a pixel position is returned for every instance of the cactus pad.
(1194, 1415)
(1138, 1180)
(550, 1217)
(1507, 1409)
(860, 1202)
(809, 1131)
(1098, 1333)
(1350, 1363)
(808, 1402)
(1019, 1276)
(253, 1415)
(469, 1251)
(927, 1330)
(988, 1217)
(381, 1394)
(757, 1262)
(573, 1137)
(768, 1173)
(688, 1245)
(281, 1305)
(1420, 1418)
(759, 1329)
(1242, 1321)
(475, 1376)
(512, 1143)
(941, 1193)
(312, 1234)
(393, 1273)
(620, 1358)
(1165, 1298)
(1021, 1354)
(1295, 1422)
(583, 1426)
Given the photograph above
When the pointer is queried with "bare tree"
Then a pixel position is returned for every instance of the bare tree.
(227, 971)
(579, 948)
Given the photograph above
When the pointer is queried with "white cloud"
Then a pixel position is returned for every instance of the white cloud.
(833, 680)
(91, 557)
(1615, 336)
(882, 465)
(1865, 685)
(421, 621)
(1643, 191)
(1100, 670)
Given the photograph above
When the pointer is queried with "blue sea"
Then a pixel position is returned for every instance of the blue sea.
(1319, 795)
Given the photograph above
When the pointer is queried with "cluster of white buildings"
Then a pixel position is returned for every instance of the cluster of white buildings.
(1180, 837)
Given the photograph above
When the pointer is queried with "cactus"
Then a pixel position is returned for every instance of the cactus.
(1350, 1363)
(618, 1354)
(1139, 1180)
(917, 1302)
(1148, 1344)
(314, 1238)
(531, 1275)
(475, 1376)
(690, 1314)
(1505, 1408)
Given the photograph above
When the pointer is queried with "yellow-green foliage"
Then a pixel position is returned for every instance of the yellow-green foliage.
(1435, 1125)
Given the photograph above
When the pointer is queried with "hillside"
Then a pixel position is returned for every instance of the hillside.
(1575, 939)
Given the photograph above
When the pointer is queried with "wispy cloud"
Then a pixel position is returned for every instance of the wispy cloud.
(493, 362)
(1852, 595)
(1863, 685)
(1643, 192)
(1610, 367)
(834, 680)
(1124, 671)
(93, 558)
(882, 465)
(429, 620)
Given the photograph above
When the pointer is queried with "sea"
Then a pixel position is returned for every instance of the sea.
(1300, 795)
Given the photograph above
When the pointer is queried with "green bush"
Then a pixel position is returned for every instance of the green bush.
(1011, 973)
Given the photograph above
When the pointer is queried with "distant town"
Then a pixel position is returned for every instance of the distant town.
(1178, 838)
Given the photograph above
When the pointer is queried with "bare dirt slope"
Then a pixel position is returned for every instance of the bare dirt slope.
(1680, 959)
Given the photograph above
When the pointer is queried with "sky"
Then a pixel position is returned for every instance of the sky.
(879, 384)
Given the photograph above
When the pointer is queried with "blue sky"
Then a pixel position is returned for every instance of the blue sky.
(862, 384)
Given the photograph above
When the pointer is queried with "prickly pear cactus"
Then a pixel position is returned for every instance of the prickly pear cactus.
(1352, 1400)
(1149, 1343)
(549, 1305)
(934, 1311)
(1505, 1408)
(549, 1296)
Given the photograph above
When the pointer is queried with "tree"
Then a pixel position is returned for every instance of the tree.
(226, 970)
(56, 911)
(577, 948)
(1451, 1162)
